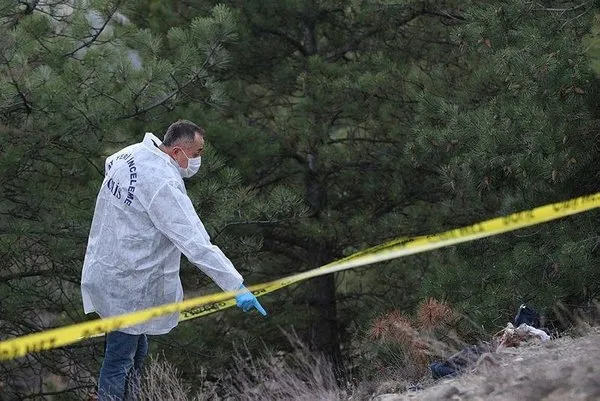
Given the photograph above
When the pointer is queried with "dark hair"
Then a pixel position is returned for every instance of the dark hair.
(181, 131)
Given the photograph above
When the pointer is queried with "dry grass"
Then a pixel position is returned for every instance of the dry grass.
(302, 375)
(564, 369)
(161, 381)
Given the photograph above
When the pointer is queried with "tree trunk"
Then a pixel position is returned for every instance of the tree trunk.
(324, 334)
(320, 295)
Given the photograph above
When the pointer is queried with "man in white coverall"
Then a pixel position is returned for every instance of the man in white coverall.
(143, 222)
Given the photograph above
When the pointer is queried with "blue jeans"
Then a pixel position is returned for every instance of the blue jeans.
(120, 372)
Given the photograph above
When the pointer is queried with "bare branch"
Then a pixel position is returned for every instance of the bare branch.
(43, 395)
(15, 276)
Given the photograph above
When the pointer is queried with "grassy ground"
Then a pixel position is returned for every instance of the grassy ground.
(563, 369)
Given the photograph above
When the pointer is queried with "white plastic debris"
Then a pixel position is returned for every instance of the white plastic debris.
(513, 337)
(525, 329)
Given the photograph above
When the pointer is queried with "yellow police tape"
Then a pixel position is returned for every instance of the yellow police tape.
(213, 307)
(204, 305)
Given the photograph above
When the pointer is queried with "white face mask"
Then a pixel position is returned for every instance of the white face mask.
(192, 168)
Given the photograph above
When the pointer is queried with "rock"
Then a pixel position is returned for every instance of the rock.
(444, 393)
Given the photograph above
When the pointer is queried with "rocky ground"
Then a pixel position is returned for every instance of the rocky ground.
(563, 369)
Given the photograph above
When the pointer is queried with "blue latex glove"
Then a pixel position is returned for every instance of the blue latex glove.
(246, 301)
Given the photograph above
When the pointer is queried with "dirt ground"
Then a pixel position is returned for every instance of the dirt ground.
(562, 369)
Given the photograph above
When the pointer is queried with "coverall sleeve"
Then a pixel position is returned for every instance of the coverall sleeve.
(173, 214)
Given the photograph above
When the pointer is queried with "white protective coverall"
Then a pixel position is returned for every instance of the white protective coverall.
(143, 222)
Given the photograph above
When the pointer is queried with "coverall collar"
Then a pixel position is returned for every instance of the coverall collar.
(152, 143)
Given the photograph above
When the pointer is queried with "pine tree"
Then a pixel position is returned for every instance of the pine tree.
(403, 118)
(78, 81)
(515, 130)
(321, 104)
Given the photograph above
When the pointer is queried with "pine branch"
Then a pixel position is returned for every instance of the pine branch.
(18, 16)
(98, 32)
(449, 14)
(100, 92)
(29, 6)
(275, 244)
(576, 17)
(560, 10)
(352, 45)
(16, 85)
(180, 88)
(286, 37)
(248, 222)
(368, 140)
